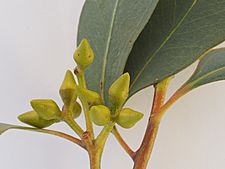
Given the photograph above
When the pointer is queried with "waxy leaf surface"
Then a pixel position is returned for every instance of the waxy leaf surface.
(178, 33)
(111, 27)
(211, 68)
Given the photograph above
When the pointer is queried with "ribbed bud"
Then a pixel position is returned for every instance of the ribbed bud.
(128, 118)
(33, 119)
(91, 97)
(119, 90)
(84, 54)
(68, 88)
(100, 115)
(47, 109)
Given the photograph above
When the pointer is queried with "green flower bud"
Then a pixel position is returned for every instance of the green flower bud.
(68, 88)
(100, 115)
(119, 90)
(33, 119)
(128, 118)
(47, 109)
(76, 110)
(91, 97)
(84, 54)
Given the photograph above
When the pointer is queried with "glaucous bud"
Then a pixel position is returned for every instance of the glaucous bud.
(84, 54)
(119, 90)
(100, 115)
(76, 110)
(47, 109)
(91, 97)
(68, 88)
(128, 118)
(33, 119)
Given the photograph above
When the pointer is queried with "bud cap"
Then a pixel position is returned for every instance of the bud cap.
(47, 109)
(128, 118)
(84, 54)
(119, 90)
(100, 115)
(68, 88)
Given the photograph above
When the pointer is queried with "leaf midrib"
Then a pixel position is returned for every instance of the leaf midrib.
(163, 43)
(107, 48)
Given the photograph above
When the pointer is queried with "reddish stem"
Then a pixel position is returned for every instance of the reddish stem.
(56, 133)
(123, 143)
(144, 152)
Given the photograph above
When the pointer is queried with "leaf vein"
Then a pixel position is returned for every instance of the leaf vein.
(163, 43)
(107, 47)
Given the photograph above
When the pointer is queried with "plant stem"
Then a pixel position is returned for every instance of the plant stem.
(95, 148)
(76, 128)
(158, 110)
(178, 94)
(80, 77)
(82, 82)
(123, 143)
(144, 152)
(65, 136)
(88, 121)
(102, 137)
(56, 133)
(95, 159)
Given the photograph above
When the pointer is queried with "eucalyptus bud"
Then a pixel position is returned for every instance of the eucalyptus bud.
(100, 115)
(84, 54)
(47, 109)
(33, 119)
(76, 110)
(119, 90)
(91, 97)
(68, 88)
(128, 118)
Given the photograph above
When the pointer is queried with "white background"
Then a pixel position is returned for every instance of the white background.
(37, 40)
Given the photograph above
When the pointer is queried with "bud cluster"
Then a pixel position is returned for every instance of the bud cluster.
(118, 94)
(46, 112)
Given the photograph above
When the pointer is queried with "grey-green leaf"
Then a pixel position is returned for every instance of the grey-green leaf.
(111, 27)
(211, 68)
(4, 127)
(178, 33)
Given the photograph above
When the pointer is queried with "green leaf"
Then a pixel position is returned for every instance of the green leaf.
(4, 127)
(111, 27)
(178, 33)
(211, 68)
